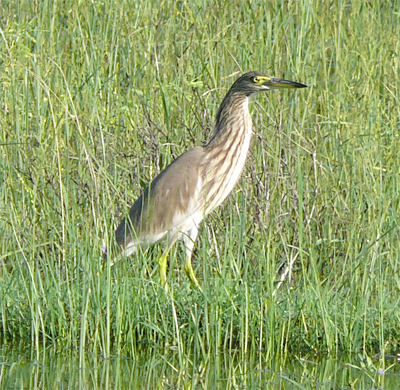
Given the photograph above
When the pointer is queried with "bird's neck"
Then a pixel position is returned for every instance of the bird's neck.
(225, 154)
(233, 119)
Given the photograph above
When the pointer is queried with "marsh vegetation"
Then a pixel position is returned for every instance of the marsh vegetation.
(97, 97)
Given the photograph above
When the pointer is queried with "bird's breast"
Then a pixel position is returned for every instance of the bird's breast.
(227, 160)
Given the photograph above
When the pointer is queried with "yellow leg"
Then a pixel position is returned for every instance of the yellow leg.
(162, 264)
(189, 240)
(190, 273)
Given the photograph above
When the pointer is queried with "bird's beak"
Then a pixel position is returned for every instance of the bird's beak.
(274, 83)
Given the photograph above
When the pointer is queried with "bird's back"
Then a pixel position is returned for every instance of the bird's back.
(168, 205)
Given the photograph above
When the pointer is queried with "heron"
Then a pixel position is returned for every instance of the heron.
(174, 204)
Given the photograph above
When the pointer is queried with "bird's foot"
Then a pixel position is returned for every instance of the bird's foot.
(191, 275)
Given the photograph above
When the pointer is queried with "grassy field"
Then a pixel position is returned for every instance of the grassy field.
(97, 97)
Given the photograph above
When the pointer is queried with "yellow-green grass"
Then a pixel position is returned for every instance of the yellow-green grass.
(97, 97)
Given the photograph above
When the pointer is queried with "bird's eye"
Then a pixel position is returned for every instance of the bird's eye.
(256, 79)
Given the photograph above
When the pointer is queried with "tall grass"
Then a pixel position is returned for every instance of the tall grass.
(97, 97)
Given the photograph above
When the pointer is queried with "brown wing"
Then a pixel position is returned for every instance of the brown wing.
(165, 202)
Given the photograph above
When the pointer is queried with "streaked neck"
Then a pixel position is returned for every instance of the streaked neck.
(233, 118)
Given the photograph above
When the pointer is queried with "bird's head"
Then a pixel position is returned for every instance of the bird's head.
(252, 82)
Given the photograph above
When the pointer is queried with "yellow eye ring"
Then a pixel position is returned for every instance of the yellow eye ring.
(256, 79)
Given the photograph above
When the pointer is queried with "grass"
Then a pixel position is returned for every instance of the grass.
(97, 97)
